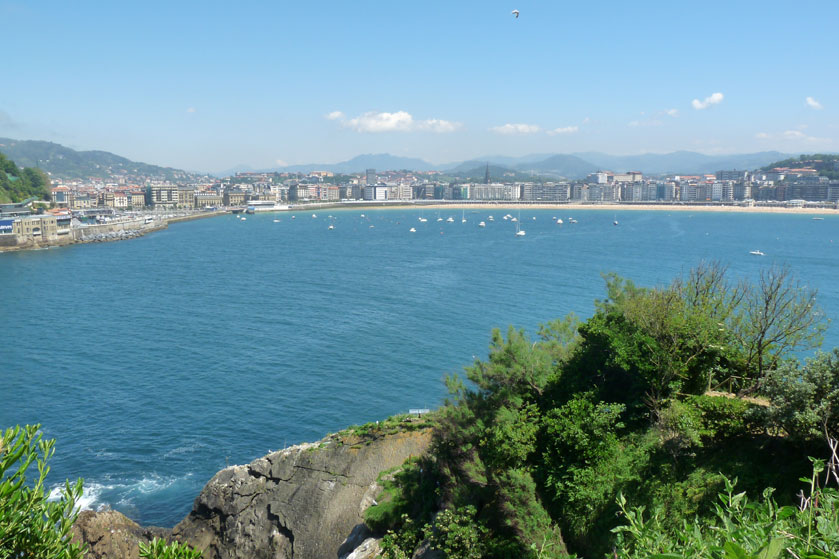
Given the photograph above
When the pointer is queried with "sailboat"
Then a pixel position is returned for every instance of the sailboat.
(519, 231)
(463, 217)
(422, 219)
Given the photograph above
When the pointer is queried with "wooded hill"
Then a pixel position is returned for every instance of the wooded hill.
(17, 184)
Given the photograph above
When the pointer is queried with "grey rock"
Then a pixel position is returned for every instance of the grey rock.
(299, 503)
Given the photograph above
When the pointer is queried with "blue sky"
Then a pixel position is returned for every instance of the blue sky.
(209, 85)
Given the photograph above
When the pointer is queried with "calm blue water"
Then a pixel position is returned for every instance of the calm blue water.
(155, 362)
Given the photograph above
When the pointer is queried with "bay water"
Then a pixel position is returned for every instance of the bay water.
(158, 361)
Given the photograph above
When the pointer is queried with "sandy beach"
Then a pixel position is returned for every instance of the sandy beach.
(435, 205)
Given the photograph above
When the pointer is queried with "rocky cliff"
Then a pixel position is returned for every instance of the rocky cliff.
(305, 502)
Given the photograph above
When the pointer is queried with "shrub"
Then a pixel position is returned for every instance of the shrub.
(30, 525)
(159, 549)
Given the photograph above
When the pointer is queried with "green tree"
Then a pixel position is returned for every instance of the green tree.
(805, 400)
(777, 317)
(30, 524)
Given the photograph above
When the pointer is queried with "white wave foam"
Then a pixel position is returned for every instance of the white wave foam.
(91, 492)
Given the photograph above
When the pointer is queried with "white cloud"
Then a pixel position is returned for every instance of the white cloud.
(813, 104)
(399, 121)
(796, 136)
(510, 129)
(564, 130)
(281, 163)
(381, 122)
(672, 112)
(714, 99)
(190, 110)
(586, 120)
(437, 125)
(637, 123)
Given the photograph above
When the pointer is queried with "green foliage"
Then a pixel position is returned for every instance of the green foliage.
(30, 525)
(805, 400)
(159, 549)
(544, 434)
(17, 185)
(721, 418)
(457, 535)
(411, 490)
(740, 529)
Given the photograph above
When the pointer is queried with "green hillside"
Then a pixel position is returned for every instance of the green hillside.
(17, 184)
(62, 162)
(826, 164)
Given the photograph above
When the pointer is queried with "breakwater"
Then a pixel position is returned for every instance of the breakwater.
(117, 230)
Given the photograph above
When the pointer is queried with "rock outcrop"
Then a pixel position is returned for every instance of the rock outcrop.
(111, 535)
(305, 502)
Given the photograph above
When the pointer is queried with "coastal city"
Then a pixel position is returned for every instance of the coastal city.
(127, 206)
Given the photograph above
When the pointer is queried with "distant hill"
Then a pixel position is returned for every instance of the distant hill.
(686, 162)
(358, 164)
(497, 173)
(827, 164)
(16, 185)
(66, 163)
(568, 166)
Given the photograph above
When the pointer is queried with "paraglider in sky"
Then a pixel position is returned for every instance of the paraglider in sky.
(515, 13)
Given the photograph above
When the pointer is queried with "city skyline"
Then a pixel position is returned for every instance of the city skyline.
(207, 88)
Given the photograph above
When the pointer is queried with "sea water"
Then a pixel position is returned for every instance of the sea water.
(156, 362)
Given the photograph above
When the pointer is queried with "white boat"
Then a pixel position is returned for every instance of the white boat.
(490, 218)
(514, 219)
(412, 230)
(559, 221)
(519, 231)
(439, 219)
(244, 219)
(331, 227)
(757, 253)
(276, 221)
(362, 215)
(818, 219)
(572, 220)
(463, 217)
(615, 222)
(294, 217)
(372, 227)
(450, 219)
(534, 218)
(482, 224)
(314, 216)
(259, 206)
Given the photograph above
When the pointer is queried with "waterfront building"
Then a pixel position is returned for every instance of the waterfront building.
(186, 197)
(61, 196)
(371, 177)
(163, 196)
(136, 199)
(208, 200)
(233, 198)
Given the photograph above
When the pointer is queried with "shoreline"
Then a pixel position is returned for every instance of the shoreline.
(438, 205)
(453, 205)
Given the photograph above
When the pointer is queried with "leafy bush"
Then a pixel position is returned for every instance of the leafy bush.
(722, 418)
(805, 400)
(30, 525)
(159, 549)
(740, 530)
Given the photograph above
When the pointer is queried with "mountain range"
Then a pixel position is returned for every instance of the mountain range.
(64, 162)
(571, 166)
